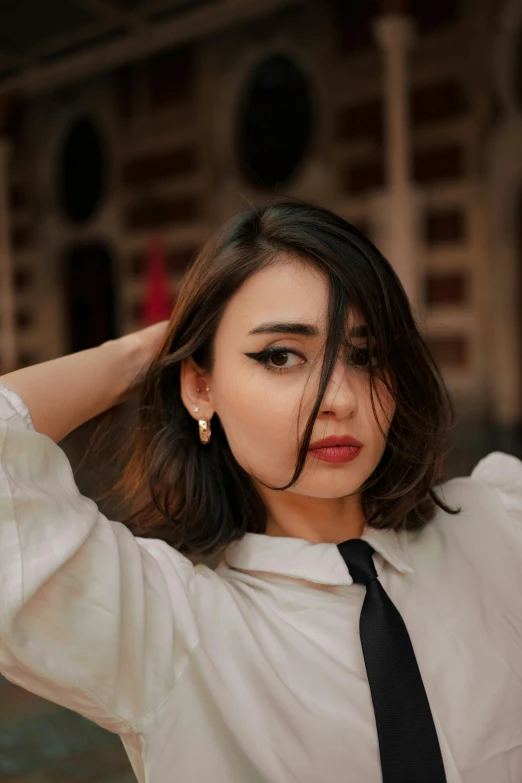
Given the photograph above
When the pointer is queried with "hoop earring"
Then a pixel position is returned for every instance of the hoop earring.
(204, 431)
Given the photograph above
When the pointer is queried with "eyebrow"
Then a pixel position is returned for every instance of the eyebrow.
(301, 329)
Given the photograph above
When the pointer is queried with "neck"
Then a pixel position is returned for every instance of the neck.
(318, 520)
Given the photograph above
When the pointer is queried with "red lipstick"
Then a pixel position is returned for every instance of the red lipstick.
(336, 448)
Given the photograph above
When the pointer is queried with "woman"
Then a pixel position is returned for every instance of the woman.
(289, 410)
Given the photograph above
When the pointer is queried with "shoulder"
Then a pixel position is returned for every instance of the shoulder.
(489, 499)
(497, 477)
(501, 473)
(487, 528)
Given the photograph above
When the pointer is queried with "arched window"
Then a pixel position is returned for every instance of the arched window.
(275, 122)
(81, 171)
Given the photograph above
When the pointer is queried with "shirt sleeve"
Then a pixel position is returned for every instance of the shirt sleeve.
(91, 617)
(503, 473)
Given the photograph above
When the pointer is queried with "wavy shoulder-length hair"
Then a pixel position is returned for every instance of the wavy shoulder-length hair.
(197, 497)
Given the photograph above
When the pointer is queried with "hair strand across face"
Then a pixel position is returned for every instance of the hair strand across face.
(199, 499)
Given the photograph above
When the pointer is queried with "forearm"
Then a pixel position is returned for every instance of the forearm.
(63, 393)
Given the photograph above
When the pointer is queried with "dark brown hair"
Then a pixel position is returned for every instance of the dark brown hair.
(198, 498)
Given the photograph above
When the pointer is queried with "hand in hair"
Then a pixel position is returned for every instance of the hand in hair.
(64, 393)
(144, 346)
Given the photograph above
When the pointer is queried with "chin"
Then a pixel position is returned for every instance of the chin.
(331, 484)
(329, 490)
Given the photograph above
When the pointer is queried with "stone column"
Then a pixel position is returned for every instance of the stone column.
(7, 326)
(504, 191)
(394, 32)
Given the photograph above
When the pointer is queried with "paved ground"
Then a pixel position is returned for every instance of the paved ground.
(42, 743)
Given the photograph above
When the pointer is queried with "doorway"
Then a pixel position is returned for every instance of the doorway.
(90, 297)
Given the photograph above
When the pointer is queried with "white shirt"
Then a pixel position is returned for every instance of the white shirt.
(253, 673)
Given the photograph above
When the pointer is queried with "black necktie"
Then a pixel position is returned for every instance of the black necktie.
(408, 743)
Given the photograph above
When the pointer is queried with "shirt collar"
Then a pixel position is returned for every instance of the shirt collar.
(320, 563)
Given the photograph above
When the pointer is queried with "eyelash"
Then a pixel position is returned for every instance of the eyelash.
(263, 357)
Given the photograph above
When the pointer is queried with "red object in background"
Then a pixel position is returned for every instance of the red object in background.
(158, 301)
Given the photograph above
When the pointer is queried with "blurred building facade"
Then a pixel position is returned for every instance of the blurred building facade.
(404, 117)
(121, 120)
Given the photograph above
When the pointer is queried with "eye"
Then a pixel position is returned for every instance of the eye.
(362, 357)
(277, 359)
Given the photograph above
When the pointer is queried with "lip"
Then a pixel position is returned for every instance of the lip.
(333, 441)
(336, 448)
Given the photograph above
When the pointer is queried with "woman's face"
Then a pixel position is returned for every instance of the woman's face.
(264, 371)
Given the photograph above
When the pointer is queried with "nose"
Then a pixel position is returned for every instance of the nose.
(340, 398)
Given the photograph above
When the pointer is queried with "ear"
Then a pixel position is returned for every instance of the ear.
(195, 390)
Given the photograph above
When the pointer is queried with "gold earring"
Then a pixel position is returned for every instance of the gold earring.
(204, 431)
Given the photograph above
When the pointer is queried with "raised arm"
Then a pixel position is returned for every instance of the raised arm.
(64, 393)
(90, 616)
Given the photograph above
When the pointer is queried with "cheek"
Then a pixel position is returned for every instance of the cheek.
(260, 421)
(384, 409)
